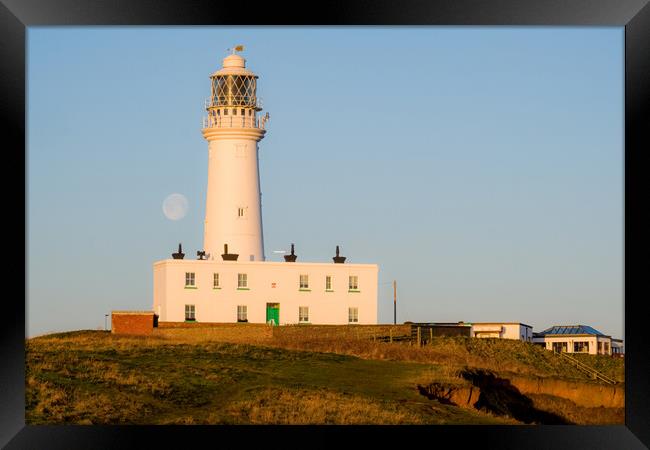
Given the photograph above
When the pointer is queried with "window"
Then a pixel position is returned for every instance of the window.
(304, 281)
(353, 315)
(353, 283)
(303, 314)
(242, 313)
(559, 347)
(607, 348)
(250, 112)
(189, 279)
(215, 280)
(242, 280)
(240, 212)
(328, 283)
(189, 312)
(225, 112)
(234, 112)
(243, 113)
(581, 347)
(218, 112)
(241, 152)
(600, 347)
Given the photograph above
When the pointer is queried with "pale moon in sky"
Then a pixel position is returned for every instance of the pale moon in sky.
(175, 206)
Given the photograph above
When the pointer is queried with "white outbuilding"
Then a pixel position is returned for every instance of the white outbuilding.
(503, 330)
(231, 281)
(575, 339)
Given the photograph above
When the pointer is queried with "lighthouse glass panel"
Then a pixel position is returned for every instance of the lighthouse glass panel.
(234, 90)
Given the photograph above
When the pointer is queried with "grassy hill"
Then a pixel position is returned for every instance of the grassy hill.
(208, 377)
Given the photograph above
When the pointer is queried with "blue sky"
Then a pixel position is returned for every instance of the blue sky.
(480, 167)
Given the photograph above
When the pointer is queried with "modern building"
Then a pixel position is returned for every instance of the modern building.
(232, 281)
(424, 332)
(503, 330)
(575, 339)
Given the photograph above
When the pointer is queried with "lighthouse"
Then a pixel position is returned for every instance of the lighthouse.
(233, 128)
(236, 284)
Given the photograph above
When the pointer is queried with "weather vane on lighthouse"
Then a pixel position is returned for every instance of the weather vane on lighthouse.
(236, 48)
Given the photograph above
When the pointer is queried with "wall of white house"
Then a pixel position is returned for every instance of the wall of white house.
(267, 282)
(517, 331)
(571, 340)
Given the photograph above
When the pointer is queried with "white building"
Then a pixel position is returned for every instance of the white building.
(503, 330)
(575, 339)
(234, 282)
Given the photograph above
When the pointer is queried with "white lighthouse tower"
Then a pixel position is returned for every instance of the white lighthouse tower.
(233, 213)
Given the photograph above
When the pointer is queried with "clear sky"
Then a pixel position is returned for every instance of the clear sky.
(480, 167)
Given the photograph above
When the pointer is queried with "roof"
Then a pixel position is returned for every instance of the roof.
(132, 312)
(501, 323)
(569, 329)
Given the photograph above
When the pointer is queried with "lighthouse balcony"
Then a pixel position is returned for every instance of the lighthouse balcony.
(234, 122)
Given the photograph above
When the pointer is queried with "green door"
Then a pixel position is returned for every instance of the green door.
(273, 313)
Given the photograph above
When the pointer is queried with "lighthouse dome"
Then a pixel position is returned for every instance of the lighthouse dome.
(234, 61)
(233, 65)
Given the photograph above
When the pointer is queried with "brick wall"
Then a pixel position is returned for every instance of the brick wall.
(132, 322)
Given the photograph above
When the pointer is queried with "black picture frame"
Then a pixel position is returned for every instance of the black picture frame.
(634, 15)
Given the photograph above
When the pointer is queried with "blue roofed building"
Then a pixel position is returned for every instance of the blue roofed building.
(577, 339)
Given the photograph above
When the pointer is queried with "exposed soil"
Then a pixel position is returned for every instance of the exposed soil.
(463, 396)
(586, 394)
(532, 400)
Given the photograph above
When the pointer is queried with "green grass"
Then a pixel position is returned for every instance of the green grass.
(95, 377)
(611, 367)
(243, 375)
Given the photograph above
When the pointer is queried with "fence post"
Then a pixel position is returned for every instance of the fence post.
(391, 335)
(431, 336)
(419, 336)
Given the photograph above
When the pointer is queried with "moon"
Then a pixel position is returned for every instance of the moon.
(175, 206)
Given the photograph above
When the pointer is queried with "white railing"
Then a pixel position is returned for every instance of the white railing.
(235, 122)
(587, 369)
